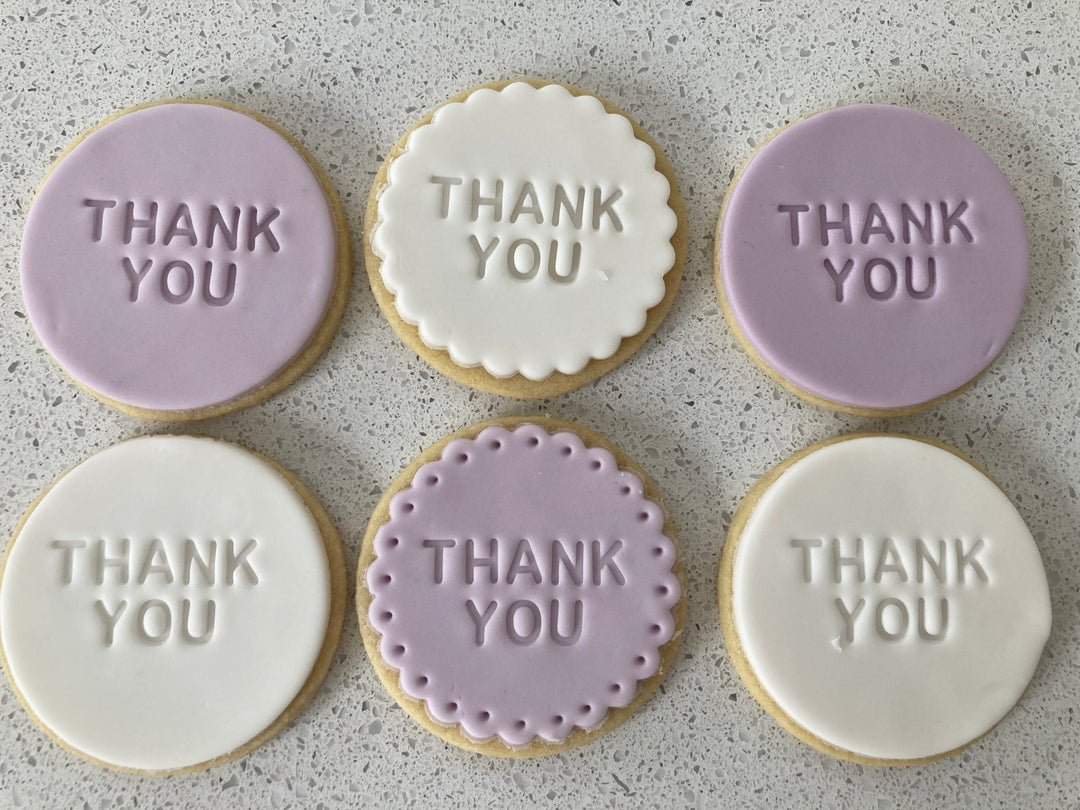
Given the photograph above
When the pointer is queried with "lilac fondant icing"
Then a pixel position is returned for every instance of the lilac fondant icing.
(128, 254)
(874, 256)
(574, 539)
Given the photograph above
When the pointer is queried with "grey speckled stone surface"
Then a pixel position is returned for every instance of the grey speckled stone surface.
(709, 82)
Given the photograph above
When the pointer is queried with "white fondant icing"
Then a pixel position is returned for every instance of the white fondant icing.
(157, 700)
(889, 691)
(549, 138)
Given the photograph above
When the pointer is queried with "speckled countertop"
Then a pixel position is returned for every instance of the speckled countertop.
(709, 82)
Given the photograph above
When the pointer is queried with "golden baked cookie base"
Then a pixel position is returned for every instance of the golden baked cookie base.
(727, 619)
(319, 341)
(453, 734)
(518, 385)
(822, 402)
(335, 558)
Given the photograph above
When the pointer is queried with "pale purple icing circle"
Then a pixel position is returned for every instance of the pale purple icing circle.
(496, 490)
(195, 350)
(886, 345)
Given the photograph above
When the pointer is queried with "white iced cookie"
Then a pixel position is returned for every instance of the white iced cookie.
(883, 599)
(521, 237)
(170, 603)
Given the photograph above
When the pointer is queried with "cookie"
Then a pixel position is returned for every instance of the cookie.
(519, 588)
(872, 259)
(882, 599)
(525, 238)
(170, 604)
(185, 259)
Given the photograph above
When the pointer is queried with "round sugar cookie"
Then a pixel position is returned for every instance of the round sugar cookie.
(872, 259)
(519, 588)
(170, 604)
(525, 238)
(185, 259)
(882, 599)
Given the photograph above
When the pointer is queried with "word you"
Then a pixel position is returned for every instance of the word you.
(233, 229)
(952, 563)
(148, 562)
(582, 208)
(883, 226)
(524, 621)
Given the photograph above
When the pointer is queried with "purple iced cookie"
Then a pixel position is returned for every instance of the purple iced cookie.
(519, 589)
(872, 258)
(184, 259)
